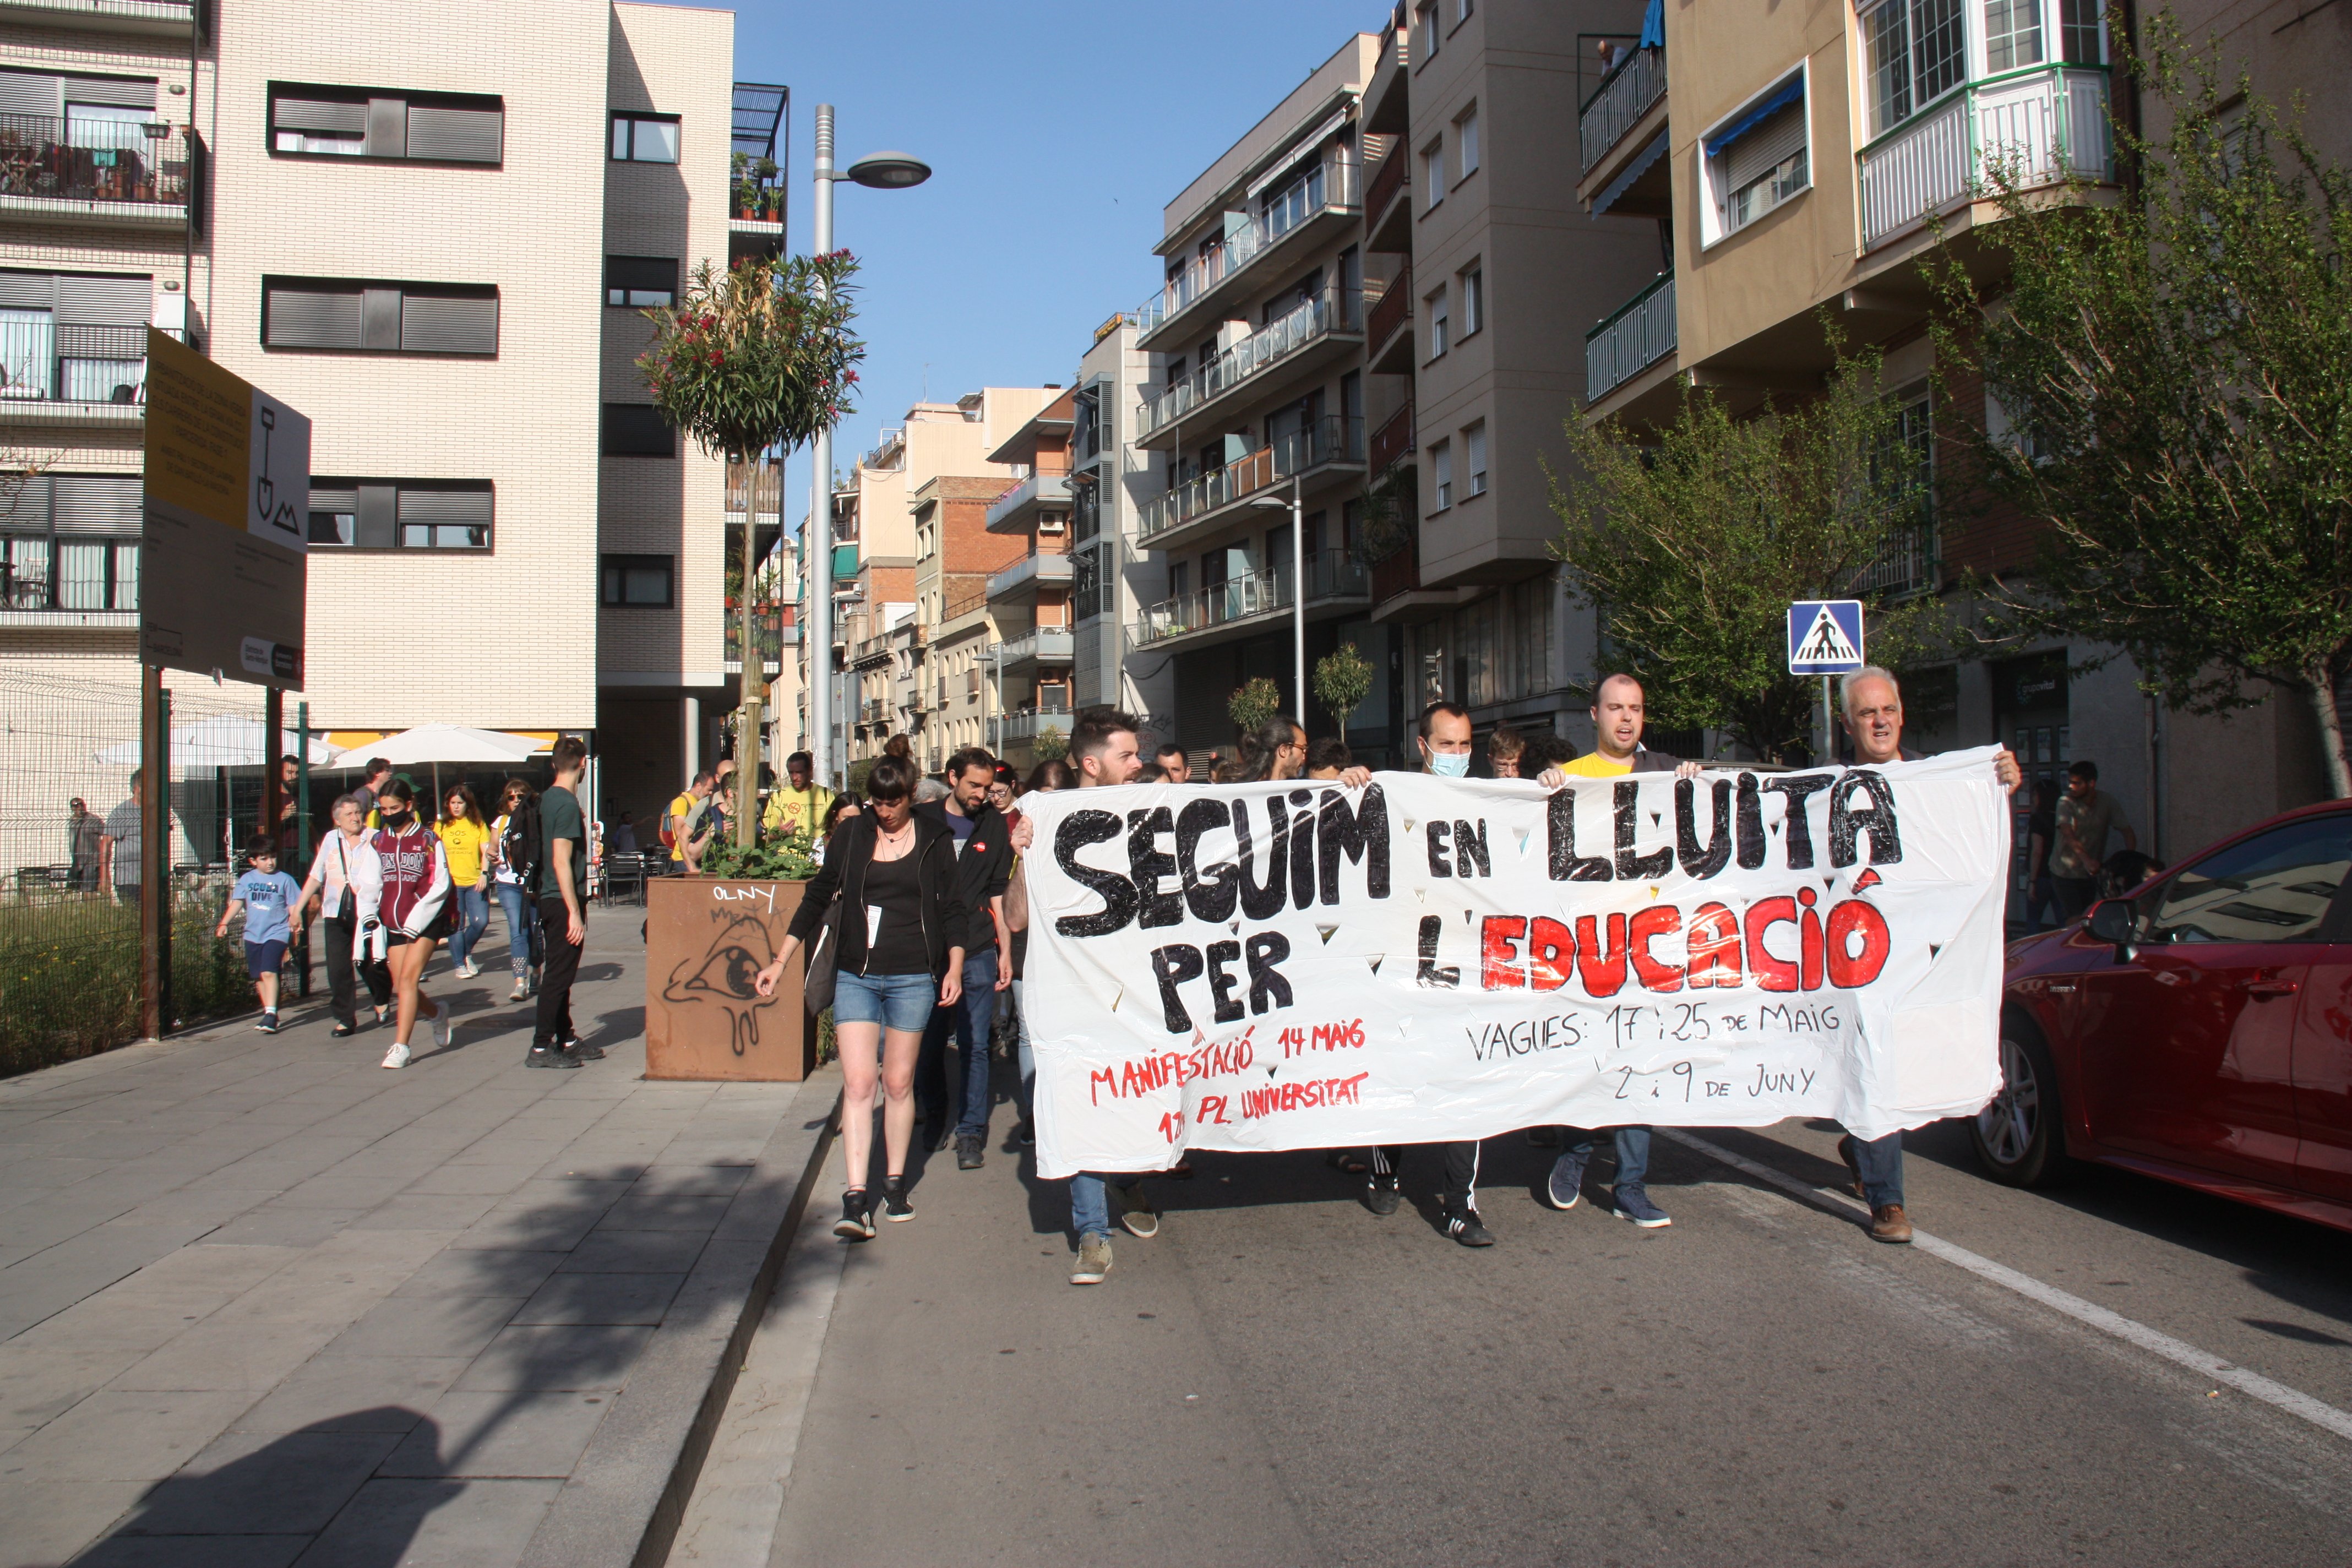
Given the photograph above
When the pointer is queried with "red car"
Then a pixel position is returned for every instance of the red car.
(2197, 1029)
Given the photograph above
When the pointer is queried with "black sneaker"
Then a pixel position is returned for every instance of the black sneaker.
(549, 1057)
(1463, 1226)
(268, 1024)
(969, 1154)
(1025, 1135)
(895, 1206)
(857, 1221)
(341, 1031)
(1381, 1195)
(581, 1050)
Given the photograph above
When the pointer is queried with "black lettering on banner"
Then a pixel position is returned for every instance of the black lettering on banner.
(1171, 966)
(1267, 986)
(1211, 892)
(1361, 834)
(1224, 1006)
(1151, 870)
(1441, 862)
(1470, 857)
(1079, 829)
(1877, 819)
(1446, 977)
(1302, 850)
(1697, 862)
(1566, 865)
(1752, 823)
(1796, 833)
(1632, 868)
(1262, 900)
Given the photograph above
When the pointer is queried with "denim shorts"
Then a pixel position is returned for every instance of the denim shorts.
(264, 957)
(902, 1002)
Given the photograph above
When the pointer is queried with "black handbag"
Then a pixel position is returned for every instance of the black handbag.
(824, 956)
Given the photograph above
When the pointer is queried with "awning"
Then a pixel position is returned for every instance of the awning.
(1633, 171)
(1653, 26)
(1791, 91)
(1305, 148)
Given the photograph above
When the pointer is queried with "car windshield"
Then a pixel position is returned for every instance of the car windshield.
(2274, 887)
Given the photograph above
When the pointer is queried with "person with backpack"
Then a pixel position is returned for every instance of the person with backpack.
(401, 879)
(683, 833)
(561, 884)
(514, 860)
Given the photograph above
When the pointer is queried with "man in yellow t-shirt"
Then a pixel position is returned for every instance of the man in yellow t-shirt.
(685, 848)
(1617, 717)
(801, 808)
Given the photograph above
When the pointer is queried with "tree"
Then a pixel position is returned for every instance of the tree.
(1691, 541)
(1343, 678)
(2176, 374)
(1052, 745)
(749, 359)
(1253, 704)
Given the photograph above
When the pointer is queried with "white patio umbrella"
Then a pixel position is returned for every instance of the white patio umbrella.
(222, 740)
(429, 743)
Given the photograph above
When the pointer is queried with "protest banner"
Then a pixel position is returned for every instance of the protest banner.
(1295, 965)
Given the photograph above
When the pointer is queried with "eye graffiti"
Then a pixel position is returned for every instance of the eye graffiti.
(724, 974)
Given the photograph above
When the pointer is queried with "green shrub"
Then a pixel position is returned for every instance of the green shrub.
(69, 975)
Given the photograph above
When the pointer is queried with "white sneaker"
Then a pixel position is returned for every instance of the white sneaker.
(441, 1026)
(397, 1056)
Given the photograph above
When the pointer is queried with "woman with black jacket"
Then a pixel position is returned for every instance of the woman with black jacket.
(902, 942)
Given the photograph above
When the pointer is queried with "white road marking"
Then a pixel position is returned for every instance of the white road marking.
(2181, 1352)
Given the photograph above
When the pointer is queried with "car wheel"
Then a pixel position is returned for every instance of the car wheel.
(2018, 1136)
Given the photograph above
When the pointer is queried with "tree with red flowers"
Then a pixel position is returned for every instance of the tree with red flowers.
(756, 357)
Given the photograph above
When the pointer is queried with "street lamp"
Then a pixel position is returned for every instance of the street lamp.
(1298, 593)
(881, 172)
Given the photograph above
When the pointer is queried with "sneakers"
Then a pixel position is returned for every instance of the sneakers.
(546, 1057)
(969, 1155)
(1464, 1227)
(380, 1014)
(1566, 1183)
(1382, 1196)
(582, 1051)
(857, 1221)
(268, 1024)
(521, 993)
(1140, 1217)
(1025, 1135)
(397, 1056)
(1852, 1167)
(342, 1031)
(442, 1026)
(1094, 1260)
(1634, 1203)
(895, 1206)
(1889, 1224)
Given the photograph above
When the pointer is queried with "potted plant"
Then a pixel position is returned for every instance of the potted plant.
(708, 936)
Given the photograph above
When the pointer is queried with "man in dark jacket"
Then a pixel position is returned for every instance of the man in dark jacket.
(983, 868)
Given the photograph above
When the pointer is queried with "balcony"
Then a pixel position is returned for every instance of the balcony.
(1909, 565)
(53, 374)
(1026, 724)
(2038, 127)
(890, 456)
(1619, 105)
(1385, 334)
(768, 628)
(1329, 444)
(1046, 644)
(1311, 207)
(1266, 363)
(1037, 570)
(755, 219)
(1387, 217)
(1638, 335)
(1016, 510)
(765, 494)
(120, 172)
(1240, 606)
(147, 19)
(1393, 442)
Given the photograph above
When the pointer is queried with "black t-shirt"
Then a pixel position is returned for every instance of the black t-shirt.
(895, 946)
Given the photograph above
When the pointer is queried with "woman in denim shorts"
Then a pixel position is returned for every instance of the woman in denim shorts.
(895, 876)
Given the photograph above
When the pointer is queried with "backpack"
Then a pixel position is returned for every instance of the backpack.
(523, 846)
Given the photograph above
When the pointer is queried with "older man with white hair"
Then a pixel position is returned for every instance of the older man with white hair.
(1872, 699)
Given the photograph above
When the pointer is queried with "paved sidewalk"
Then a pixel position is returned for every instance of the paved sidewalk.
(262, 1301)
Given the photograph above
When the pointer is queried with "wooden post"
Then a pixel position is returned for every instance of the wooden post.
(154, 855)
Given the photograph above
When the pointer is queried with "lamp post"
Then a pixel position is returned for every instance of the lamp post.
(1297, 590)
(881, 172)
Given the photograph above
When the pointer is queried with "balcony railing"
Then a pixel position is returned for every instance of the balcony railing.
(1312, 321)
(89, 160)
(768, 630)
(2037, 127)
(1048, 490)
(1637, 336)
(890, 455)
(1393, 176)
(1331, 185)
(1392, 441)
(874, 710)
(1038, 568)
(1393, 311)
(1330, 574)
(765, 493)
(1617, 105)
(1024, 723)
(1046, 644)
(1331, 439)
(1909, 565)
(166, 18)
(42, 361)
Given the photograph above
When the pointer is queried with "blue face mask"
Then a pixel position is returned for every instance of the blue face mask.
(1450, 764)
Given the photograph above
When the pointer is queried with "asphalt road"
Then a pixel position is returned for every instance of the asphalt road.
(1280, 1377)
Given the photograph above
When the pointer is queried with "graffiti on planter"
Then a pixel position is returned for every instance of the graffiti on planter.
(723, 974)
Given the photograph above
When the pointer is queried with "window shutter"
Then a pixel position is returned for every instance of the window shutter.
(380, 319)
(97, 503)
(471, 507)
(387, 128)
(25, 506)
(318, 114)
(28, 291)
(378, 526)
(344, 500)
(457, 135)
(121, 92)
(1763, 149)
(449, 324)
(313, 319)
(86, 300)
(30, 93)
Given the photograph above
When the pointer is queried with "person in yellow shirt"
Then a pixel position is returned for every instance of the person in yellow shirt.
(801, 808)
(464, 837)
(1617, 718)
(683, 820)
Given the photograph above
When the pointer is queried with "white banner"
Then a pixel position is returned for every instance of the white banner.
(1295, 965)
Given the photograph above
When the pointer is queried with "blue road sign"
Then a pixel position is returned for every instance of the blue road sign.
(1825, 636)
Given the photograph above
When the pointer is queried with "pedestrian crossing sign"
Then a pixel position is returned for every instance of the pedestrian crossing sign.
(1825, 636)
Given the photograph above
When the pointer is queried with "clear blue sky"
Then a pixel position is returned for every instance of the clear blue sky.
(1056, 133)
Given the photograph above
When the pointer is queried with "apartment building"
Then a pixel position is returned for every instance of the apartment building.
(1112, 579)
(956, 555)
(1032, 667)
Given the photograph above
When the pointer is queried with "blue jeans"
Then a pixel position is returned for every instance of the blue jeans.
(1632, 1153)
(1091, 1203)
(471, 906)
(1880, 1165)
(969, 1019)
(523, 951)
(1026, 1097)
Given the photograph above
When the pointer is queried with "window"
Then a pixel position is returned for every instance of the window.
(1474, 460)
(644, 138)
(1760, 157)
(1465, 142)
(2012, 33)
(637, 430)
(379, 317)
(1461, 12)
(1474, 299)
(1438, 339)
(400, 514)
(640, 282)
(2081, 37)
(365, 122)
(1433, 171)
(70, 541)
(2275, 887)
(637, 582)
(75, 336)
(1916, 50)
(1441, 466)
(1429, 27)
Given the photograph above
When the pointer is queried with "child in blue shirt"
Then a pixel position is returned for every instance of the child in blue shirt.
(267, 896)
